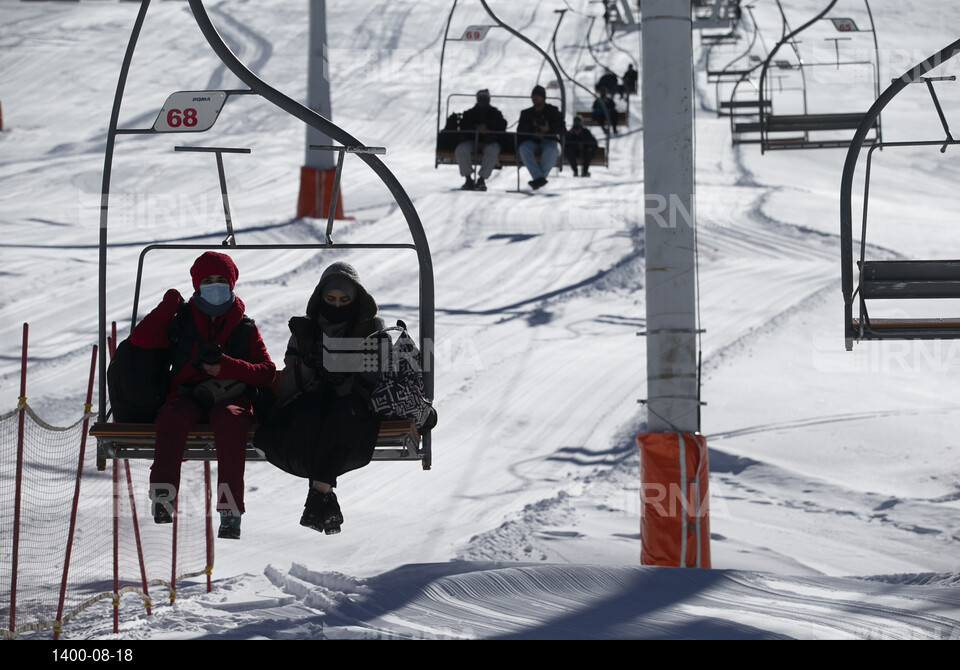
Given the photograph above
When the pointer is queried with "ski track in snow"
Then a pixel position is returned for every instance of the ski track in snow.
(497, 600)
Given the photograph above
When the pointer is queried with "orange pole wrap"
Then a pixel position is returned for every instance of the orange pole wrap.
(316, 189)
(674, 500)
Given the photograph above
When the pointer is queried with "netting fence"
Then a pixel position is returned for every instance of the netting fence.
(74, 537)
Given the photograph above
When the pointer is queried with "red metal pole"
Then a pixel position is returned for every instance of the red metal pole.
(173, 558)
(136, 535)
(76, 494)
(22, 406)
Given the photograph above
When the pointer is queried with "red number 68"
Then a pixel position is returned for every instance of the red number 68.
(188, 117)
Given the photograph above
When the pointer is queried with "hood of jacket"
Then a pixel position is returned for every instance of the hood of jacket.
(367, 306)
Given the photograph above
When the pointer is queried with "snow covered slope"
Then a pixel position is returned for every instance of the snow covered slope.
(826, 466)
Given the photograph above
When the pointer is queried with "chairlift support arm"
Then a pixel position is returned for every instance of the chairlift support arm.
(230, 240)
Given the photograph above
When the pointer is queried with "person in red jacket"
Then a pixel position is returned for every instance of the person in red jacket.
(218, 362)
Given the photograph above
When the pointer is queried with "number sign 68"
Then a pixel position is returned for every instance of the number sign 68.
(188, 117)
(189, 111)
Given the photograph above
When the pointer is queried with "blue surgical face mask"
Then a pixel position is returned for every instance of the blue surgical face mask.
(215, 294)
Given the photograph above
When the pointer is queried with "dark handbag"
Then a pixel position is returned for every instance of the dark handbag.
(399, 393)
(209, 393)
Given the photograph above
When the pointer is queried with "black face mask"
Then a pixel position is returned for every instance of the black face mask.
(335, 314)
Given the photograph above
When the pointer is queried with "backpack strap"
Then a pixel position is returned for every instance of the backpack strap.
(183, 332)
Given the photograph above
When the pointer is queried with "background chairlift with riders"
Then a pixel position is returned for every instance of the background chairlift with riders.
(452, 133)
(448, 121)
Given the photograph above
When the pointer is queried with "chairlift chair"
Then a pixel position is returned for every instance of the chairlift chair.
(803, 129)
(509, 155)
(398, 440)
(899, 279)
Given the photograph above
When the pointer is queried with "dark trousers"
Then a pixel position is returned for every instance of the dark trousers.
(230, 421)
(320, 436)
(580, 154)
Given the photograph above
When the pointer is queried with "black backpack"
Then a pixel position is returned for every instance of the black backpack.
(137, 381)
(449, 137)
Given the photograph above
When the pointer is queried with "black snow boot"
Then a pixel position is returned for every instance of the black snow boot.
(162, 507)
(321, 512)
(229, 525)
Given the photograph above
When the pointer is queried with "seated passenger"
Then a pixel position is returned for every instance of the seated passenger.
(219, 360)
(322, 426)
(605, 111)
(539, 130)
(580, 148)
(480, 125)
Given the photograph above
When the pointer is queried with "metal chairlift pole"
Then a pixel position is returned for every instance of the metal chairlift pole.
(311, 118)
(785, 39)
(673, 453)
(672, 378)
(556, 58)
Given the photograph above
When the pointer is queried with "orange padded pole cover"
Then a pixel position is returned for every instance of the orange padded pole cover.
(316, 189)
(674, 500)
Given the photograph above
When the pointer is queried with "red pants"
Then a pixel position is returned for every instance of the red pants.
(230, 421)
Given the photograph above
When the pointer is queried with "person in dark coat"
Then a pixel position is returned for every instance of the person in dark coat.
(629, 82)
(200, 389)
(480, 125)
(323, 426)
(609, 83)
(580, 148)
(605, 111)
(539, 130)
